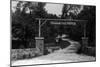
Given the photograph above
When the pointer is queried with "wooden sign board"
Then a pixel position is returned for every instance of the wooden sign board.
(63, 23)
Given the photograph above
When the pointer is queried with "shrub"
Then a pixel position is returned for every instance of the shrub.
(17, 54)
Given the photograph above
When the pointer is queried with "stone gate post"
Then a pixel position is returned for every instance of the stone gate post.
(39, 41)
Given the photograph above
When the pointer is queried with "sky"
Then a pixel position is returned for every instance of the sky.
(54, 8)
(50, 8)
(14, 4)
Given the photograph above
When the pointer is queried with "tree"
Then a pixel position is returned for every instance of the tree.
(71, 11)
(24, 26)
(82, 13)
(89, 14)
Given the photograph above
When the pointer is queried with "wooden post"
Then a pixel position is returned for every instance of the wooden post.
(39, 28)
(84, 29)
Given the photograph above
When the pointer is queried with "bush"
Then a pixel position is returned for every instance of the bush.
(17, 54)
(91, 51)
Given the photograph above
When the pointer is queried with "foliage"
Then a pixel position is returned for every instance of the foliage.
(82, 12)
(24, 23)
(71, 10)
(18, 54)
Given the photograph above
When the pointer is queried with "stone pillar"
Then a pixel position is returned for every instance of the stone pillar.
(85, 41)
(39, 41)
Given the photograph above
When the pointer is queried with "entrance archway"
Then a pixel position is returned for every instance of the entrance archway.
(61, 23)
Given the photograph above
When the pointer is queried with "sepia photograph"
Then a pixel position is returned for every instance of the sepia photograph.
(51, 33)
